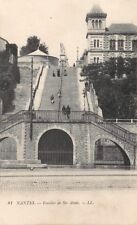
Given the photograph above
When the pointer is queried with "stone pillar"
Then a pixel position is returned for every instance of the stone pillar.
(21, 150)
(90, 148)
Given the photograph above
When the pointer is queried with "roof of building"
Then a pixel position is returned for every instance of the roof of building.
(4, 40)
(37, 53)
(122, 28)
(96, 9)
(96, 12)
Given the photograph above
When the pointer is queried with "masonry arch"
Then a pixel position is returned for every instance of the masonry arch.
(96, 23)
(93, 22)
(8, 148)
(109, 153)
(55, 147)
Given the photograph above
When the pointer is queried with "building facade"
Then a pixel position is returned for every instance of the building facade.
(39, 58)
(112, 42)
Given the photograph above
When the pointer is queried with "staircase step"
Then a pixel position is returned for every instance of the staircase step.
(13, 166)
(12, 162)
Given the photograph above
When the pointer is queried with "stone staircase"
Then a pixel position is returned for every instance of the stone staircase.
(75, 117)
(21, 164)
(12, 120)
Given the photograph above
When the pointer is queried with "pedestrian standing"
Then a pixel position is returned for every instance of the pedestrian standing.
(58, 72)
(63, 109)
(52, 99)
(59, 93)
(54, 74)
(68, 111)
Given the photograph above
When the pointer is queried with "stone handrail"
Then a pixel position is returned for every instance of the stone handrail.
(11, 120)
(85, 117)
(35, 85)
(50, 116)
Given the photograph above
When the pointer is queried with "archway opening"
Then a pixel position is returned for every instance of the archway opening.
(8, 149)
(55, 147)
(100, 24)
(110, 155)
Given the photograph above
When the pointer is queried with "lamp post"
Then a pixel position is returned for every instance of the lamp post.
(31, 101)
(60, 90)
(84, 96)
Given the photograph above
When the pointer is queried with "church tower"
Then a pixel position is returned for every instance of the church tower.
(96, 27)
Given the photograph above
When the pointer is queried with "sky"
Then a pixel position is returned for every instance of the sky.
(56, 21)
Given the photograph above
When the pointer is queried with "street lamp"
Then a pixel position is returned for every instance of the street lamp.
(60, 90)
(31, 101)
(84, 96)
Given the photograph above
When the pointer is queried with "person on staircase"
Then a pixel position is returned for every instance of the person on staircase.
(68, 111)
(58, 72)
(53, 74)
(59, 93)
(52, 99)
(63, 109)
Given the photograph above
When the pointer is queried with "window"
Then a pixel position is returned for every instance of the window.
(120, 45)
(94, 43)
(97, 43)
(93, 23)
(100, 24)
(134, 45)
(94, 59)
(112, 45)
(96, 24)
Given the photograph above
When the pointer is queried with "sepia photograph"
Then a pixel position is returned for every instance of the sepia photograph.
(68, 112)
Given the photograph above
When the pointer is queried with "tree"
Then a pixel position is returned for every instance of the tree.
(33, 43)
(43, 47)
(111, 67)
(116, 97)
(7, 86)
(9, 76)
(120, 67)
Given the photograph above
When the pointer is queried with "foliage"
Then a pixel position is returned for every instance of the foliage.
(14, 72)
(4, 57)
(43, 48)
(9, 77)
(110, 67)
(7, 86)
(116, 95)
(33, 43)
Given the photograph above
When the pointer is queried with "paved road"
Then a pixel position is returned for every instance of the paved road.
(66, 179)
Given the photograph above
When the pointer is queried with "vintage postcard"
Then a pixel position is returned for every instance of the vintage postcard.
(68, 112)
